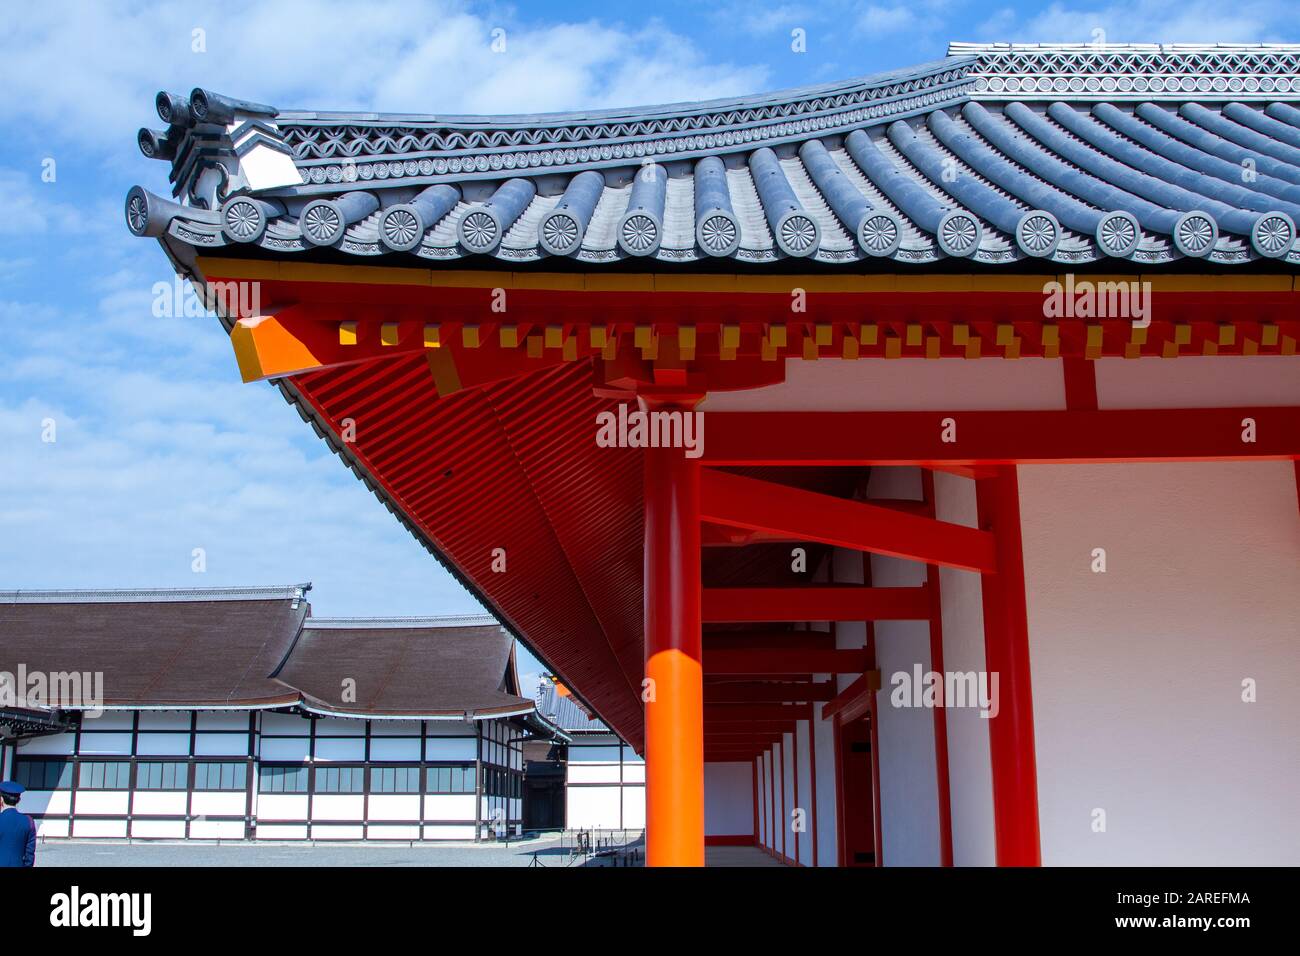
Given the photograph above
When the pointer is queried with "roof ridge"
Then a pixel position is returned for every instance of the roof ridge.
(288, 592)
(365, 623)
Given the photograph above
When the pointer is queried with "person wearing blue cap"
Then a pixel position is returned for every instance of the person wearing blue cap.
(17, 830)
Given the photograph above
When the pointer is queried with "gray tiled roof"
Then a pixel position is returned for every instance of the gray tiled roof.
(997, 153)
(564, 712)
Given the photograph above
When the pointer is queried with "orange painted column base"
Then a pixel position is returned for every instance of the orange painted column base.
(674, 690)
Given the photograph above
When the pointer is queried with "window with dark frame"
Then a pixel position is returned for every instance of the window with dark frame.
(162, 775)
(104, 775)
(40, 773)
(282, 779)
(228, 775)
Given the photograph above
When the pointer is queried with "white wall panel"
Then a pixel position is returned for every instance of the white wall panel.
(101, 801)
(282, 806)
(286, 749)
(589, 754)
(338, 806)
(593, 773)
(221, 745)
(1197, 381)
(52, 828)
(110, 720)
(219, 829)
(58, 744)
(634, 807)
(163, 745)
(445, 832)
(46, 801)
(285, 725)
(394, 806)
(970, 775)
(1137, 672)
(112, 744)
(221, 804)
(449, 806)
(593, 807)
(158, 829)
(175, 720)
(352, 749)
(827, 835)
(340, 727)
(99, 828)
(728, 799)
(337, 832)
(388, 831)
(169, 803)
(395, 748)
(450, 748)
(222, 720)
(395, 728)
(280, 831)
(634, 773)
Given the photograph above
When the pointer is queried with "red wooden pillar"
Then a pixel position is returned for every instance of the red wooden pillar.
(674, 712)
(1006, 650)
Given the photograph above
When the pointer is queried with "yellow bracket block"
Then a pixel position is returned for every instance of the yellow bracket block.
(869, 334)
(822, 334)
(554, 336)
(347, 333)
(264, 349)
(597, 336)
(913, 335)
(510, 336)
(777, 336)
(960, 334)
(731, 337)
(432, 337)
(469, 336)
(388, 333)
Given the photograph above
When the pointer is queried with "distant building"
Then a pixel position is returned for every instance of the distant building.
(233, 714)
(603, 778)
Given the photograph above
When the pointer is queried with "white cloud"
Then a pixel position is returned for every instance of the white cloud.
(90, 76)
(1146, 21)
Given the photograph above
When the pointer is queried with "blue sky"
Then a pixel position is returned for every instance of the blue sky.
(159, 449)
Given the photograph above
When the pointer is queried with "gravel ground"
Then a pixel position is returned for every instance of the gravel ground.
(110, 853)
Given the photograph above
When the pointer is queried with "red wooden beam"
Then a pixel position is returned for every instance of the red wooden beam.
(833, 603)
(756, 712)
(767, 692)
(1006, 653)
(742, 502)
(991, 438)
(785, 662)
(855, 700)
(769, 640)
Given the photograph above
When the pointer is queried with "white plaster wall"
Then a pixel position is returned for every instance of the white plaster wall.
(827, 823)
(1198, 381)
(728, 799)
(909, 802)
(805, 802)
(970, 777)
(1137, 673)
(836, 385)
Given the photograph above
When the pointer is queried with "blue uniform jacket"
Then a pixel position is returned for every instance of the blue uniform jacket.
(17, 839)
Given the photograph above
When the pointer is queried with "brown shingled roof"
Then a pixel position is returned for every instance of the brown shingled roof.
(185, 648)
(405, 668)
(256, 647)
